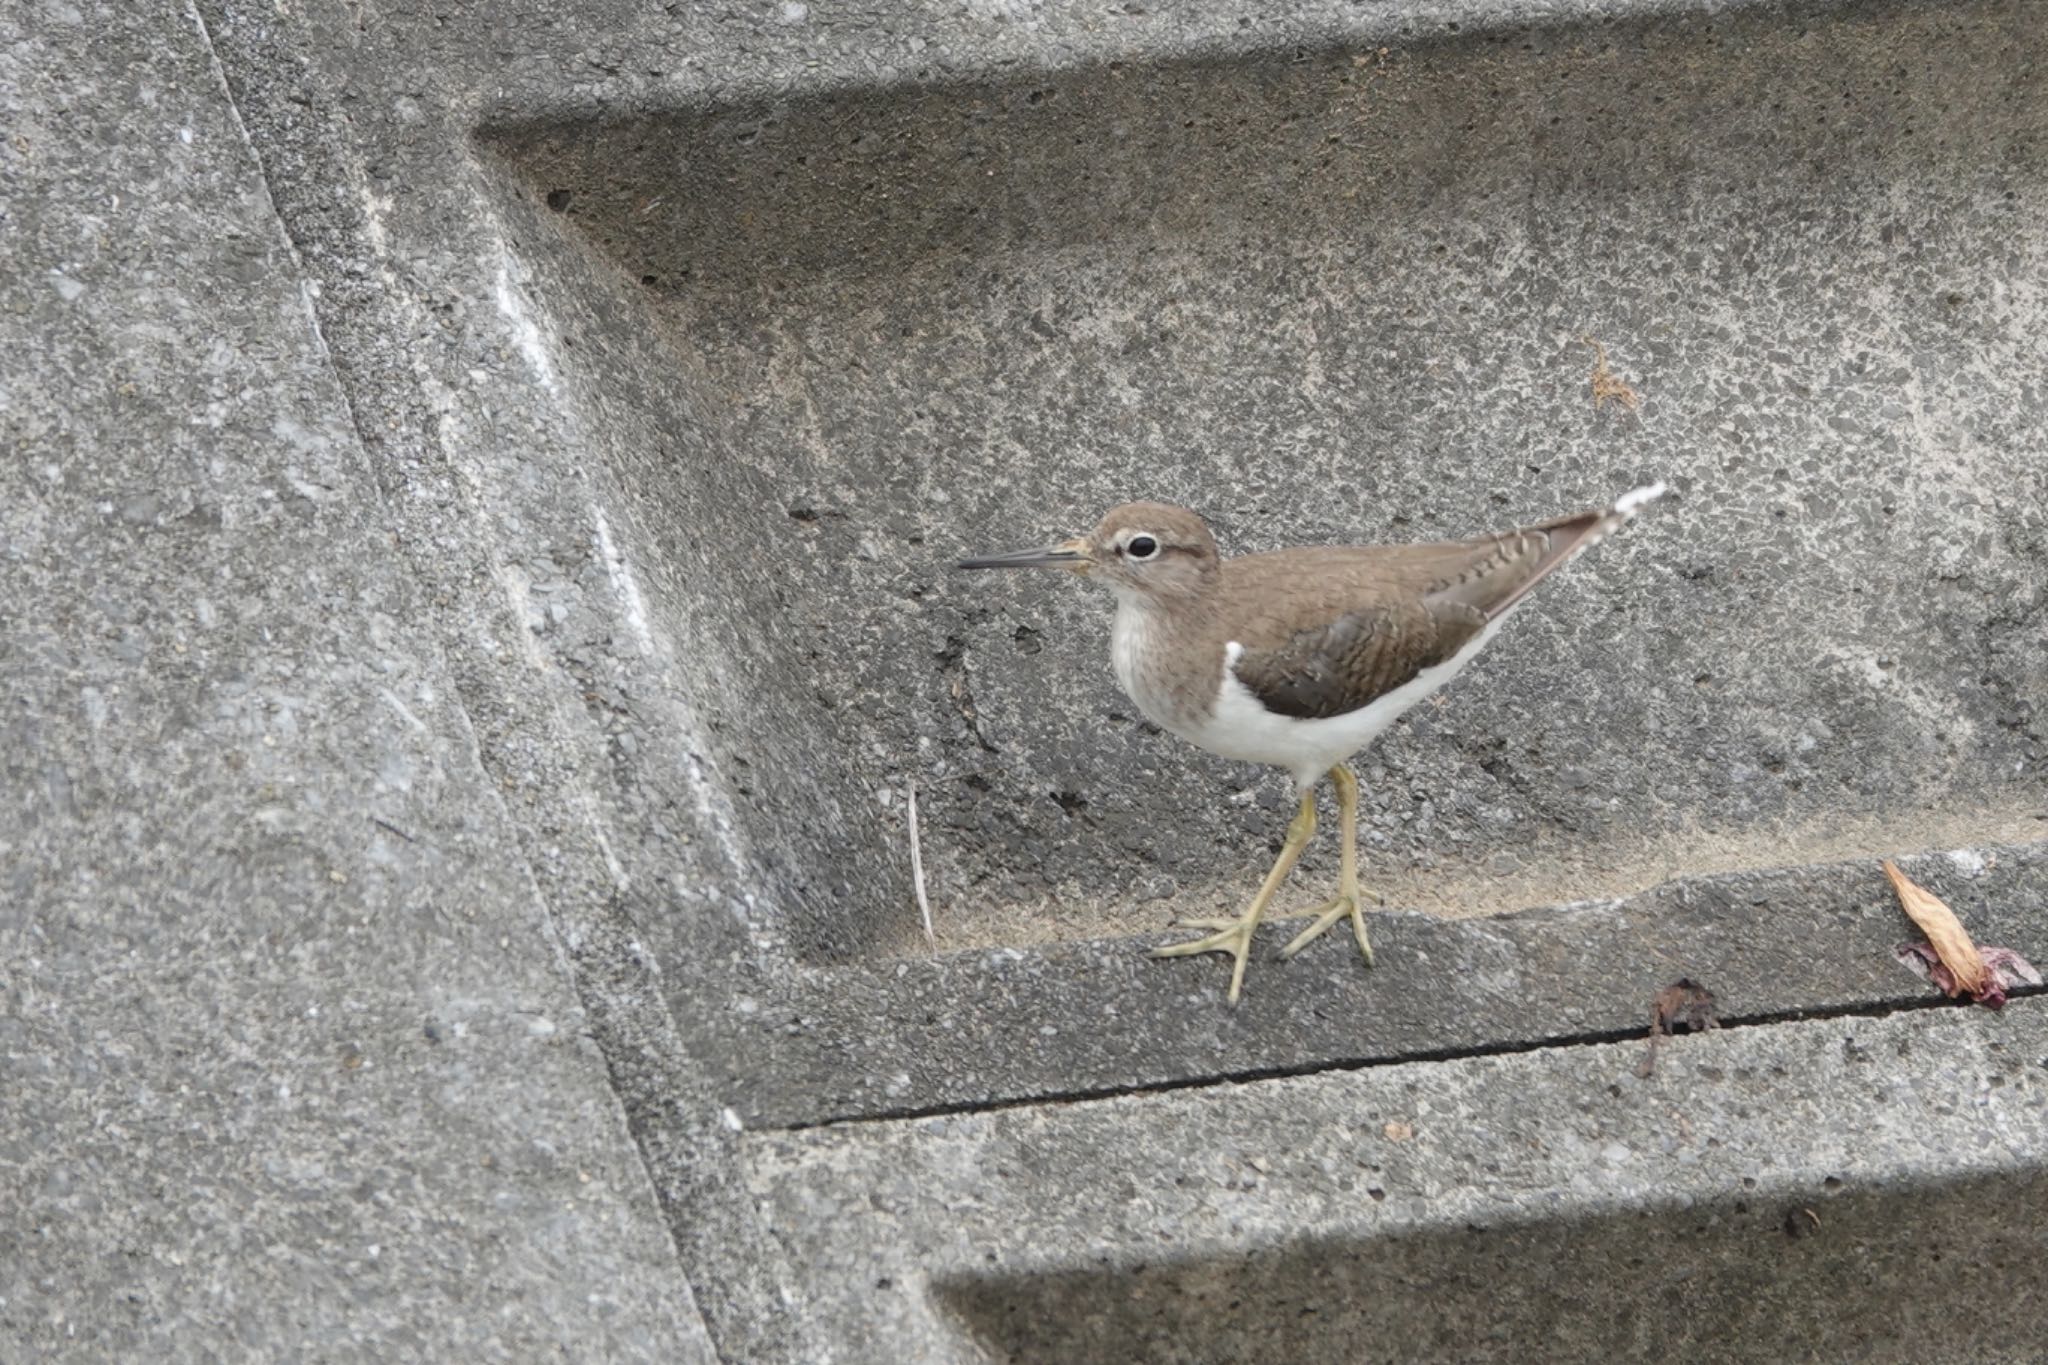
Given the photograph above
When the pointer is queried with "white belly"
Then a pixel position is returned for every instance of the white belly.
(1241, 728)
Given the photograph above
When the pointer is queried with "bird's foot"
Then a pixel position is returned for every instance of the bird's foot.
(1233, 936)
(1349, 903)
(1218, 924)
(1362, 893)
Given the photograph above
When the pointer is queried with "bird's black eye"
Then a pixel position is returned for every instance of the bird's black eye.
(1141, 547)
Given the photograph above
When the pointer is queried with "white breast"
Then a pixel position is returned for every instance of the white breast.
(1139, 669)
(1126, 647)
(1146, 675)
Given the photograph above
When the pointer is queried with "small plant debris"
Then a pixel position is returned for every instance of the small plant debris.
(1683, 1004)
(1607, 385)
(924, 903)
(1801, 1223)
(1948, 957)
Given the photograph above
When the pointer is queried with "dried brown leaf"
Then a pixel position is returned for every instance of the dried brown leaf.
(1945, 933)
(1682, 1004)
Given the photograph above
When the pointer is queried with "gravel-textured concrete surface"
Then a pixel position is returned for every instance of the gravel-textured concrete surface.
(1854, 1189)
(714, 517)
(292, 1066)
(1101, 1017)
(549, 640)
(1342, 292)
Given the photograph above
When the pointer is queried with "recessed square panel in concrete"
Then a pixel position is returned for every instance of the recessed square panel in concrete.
(1344, 294)
(1727, 1206)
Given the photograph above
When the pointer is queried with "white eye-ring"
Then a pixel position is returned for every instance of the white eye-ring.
(1141, 547)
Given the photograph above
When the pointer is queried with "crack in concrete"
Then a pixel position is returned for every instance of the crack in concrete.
(1867, 1009)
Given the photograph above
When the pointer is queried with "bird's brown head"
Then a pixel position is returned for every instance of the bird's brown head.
(1141, 549)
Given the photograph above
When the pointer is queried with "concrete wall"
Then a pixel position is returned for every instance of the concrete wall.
(479, 486)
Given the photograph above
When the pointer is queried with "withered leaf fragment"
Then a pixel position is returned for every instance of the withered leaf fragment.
(1949, 959)
(1682, 1004)
(2007, 968)
(1945, 933)
(1606, 384)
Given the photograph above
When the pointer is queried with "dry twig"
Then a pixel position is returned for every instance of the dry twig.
(1606, 384)
(924, 904)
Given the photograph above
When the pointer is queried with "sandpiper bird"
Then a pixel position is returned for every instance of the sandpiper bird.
(1300, 658)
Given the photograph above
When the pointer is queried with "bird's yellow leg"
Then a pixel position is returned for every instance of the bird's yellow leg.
(1350, 899)
(1235, 937)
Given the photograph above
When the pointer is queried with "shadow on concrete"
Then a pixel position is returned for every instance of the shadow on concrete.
(1938, 1271)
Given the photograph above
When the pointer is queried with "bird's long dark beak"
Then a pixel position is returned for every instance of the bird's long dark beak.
(1068, 554)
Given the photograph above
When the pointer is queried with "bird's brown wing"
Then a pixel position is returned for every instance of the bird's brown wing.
(1363, 654)
(1359, 622)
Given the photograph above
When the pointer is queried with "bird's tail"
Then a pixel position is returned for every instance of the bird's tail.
(1572, 536)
